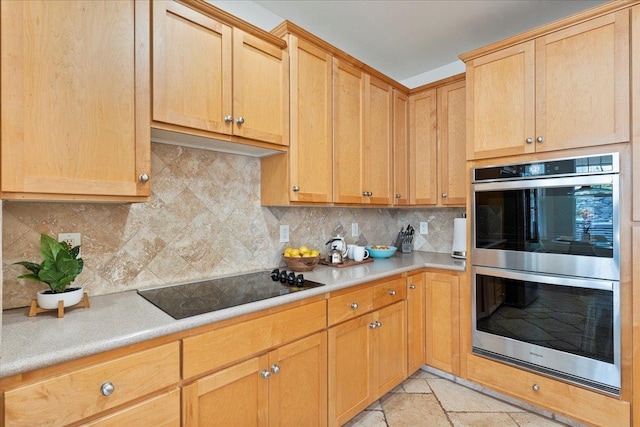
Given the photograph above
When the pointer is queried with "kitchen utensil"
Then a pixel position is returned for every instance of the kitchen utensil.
(377, 252)
(337, 251)
(359, 253)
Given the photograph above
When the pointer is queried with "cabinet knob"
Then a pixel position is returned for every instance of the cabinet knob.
(240, 120)
(275, 368)
(529, 140)
(398, 195)
(296, 188)
(373, 325)
(444, 195)
(354, 305)
(392, 293)
(144, 177)
(265, 374)
(535, 387)
(540, 139)
(378, 323)
(228, 119)
(412, 286)
(107, 388)
(364, 193)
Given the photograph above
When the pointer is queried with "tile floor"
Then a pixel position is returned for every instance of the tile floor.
(429, 400)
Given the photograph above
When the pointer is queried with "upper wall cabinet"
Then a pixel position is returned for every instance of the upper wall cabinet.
(75, 109)
(635, 122)
(211, 79)
(437, 143)
(401, 181)
(304, 174)
(362, 137)
(566, 89)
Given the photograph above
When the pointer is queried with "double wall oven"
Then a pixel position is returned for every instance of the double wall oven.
(546, 270)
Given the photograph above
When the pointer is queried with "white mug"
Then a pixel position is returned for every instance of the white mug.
(350, 251)
(360, 253)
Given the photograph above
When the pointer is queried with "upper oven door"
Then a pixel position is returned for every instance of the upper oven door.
(567, 225)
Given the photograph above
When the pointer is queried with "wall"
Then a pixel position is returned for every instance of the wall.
(204, 219)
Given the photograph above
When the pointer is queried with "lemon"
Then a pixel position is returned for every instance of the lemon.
(287, 252)
(295, 252)
(315, 252)
(303, 250)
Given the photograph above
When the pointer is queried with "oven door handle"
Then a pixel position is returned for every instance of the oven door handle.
(576, 282)
(527, 183)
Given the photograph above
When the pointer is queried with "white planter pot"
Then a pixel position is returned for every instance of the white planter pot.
(69, 298)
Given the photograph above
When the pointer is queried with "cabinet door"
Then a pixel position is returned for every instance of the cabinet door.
(500, 103)
(298, 383)
(236, 396)
(400, 148)
(442, 308)
(582, 84)
(350, 376)
(635, 256)
(310, 151)
(260, 89)
(348, 132)
(452, 144)
(191, 69)
(377, 148)
(415, 322)
(635, 121)
(389, 347)
(74, 92)
(423, 148)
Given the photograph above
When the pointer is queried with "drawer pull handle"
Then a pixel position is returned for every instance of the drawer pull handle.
(535, 387)
(378, 323)
(412, 286)
(354, 305)
(392, 293)
(275, 368)
(265, 374)
(107, 388)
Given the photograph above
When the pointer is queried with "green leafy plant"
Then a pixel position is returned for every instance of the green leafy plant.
(59, 267)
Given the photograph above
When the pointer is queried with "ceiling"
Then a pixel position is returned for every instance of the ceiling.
(407, 38)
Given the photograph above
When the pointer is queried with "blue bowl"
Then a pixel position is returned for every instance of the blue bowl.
(381, 253)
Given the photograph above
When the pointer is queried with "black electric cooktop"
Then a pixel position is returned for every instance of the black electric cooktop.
(190, 299)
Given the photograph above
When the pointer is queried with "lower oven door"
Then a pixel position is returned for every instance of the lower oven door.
(566, 327)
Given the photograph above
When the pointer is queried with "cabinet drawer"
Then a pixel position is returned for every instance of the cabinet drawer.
(347, 306)
(77, 395)
(210, 350)
(389, 292)
(160, 411)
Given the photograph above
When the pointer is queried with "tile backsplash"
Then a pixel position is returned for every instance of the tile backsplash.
(204, 220)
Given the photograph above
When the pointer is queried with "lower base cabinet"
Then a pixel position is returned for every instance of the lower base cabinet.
(284, 387)
(367, 359)
(415, 322)
(442, 322)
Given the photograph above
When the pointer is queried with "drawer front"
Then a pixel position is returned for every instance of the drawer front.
(160, 411)
(74, 396)
(211, 350)
(389, 292)
(347, 306)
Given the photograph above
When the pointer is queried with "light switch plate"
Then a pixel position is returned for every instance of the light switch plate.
(284, 233)
(355, 232)
(424, 227)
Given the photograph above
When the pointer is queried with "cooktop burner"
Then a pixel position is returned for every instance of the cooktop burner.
(190, 299)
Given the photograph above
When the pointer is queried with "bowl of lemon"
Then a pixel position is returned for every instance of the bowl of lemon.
(301, 259)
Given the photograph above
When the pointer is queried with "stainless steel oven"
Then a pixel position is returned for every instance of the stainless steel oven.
(546, 271)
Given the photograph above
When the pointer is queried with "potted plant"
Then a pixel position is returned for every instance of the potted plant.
(60, 266)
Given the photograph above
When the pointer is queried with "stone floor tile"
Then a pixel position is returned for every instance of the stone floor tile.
(413, 410)
(421, 374)
(481, 419)
(527, 419)
(375, 406)
(416, 385)
(457, 398)
(368, 418)
(397, 389)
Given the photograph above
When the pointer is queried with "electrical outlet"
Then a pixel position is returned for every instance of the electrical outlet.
(71, 239)
(354, 229)
(424, 227)
(284, 233)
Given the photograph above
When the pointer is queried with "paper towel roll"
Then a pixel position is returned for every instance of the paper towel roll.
(459, 249)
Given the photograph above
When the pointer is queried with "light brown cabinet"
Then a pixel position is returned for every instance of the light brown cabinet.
(401, 177)
(362, 137)
(531, 97)
(75, 109)
(368, 353)
(214, 80)
(304, 174)
(442, 310)
(87, 391)
(438, 138)
(415, 322)
(286, 386)
(635, 100)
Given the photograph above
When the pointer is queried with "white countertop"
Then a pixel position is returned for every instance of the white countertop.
(126, 318)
